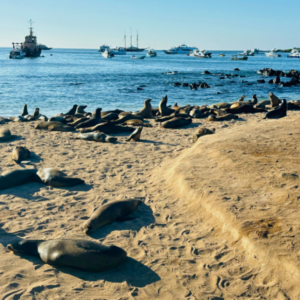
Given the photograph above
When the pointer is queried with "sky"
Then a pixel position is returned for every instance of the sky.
(209, 24)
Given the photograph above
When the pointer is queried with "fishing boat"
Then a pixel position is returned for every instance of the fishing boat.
(247, 52)
(294, 54)
(107, 54)
(138, 57)
(16, 53)
(103, 48)
(235, 57)
(151, 53)
(118, 51)
(272, 53)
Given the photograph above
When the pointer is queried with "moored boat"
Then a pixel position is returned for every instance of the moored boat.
(222, 55)
(16, 53)
(138, 57)
(103, 48)
(182, 49)
(247, 52)
(235, 57)
(294, 54)
(203, 54)
(44, 47)
(118, 51)
(272, 53)
(107, 54)
(151, 53)
(171, 51)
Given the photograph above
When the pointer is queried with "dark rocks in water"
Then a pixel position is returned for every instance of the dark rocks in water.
(140, 89)
(244, 81)
(231, 81)
(270, 72)
(142, 85)
(236, 69)
(242, 76)
(193, 86)
(177, 84)
(206, 73)
(261, 81)
(235, 75)
(271, 81)
(222, 78)
(79, 83)
(218, 93)
(185, 84)
(294, 81)
(276, 80)
(292, 73)
(204, 85)
(227, 75)
(218, 84)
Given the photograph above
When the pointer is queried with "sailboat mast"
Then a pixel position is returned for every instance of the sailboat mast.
(130, 37)
(137, 39)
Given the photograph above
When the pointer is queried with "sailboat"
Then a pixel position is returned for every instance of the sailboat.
(132, 48)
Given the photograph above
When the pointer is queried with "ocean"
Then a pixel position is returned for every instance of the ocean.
(82, 76)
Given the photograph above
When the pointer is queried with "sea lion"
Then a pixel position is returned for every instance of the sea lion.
(20, 153)
(81, 254)
(262, 104)
(56, 178)
(97, 137)
(36, 113)
(53, 126)
(125, 118)
(293, 105)
(176, 122)
(254, 100)
(222, 118)
(137, 123)
(146, 111)
(20, 119)
(5, 135)
(278, 112)
(124, 113)
(136, 135)
(201, 131)
(14, 178)
(58, 119)
(247, 108)
(110, 116)
(164, 110)
(78, 121)
(274, 100)
(110, 212)
(80, 109)
(73, 110)
(242, 98)
(166, 118)
(94, 120)
(107, 128)
(221, 105)
(196, 113)
(24, 111)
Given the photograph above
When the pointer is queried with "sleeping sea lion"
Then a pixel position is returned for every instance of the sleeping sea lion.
(110, 212)
(5, 135)
(94, 120)
(164, 110)
(176, 122)
(137, 123)
(97, 137)
(221, 105)
(107, 128)
(293, 105)
(222, 118)
(196, 113)
(58, 119)
(14, 178)
(247, 108)
(201, 131)
(56, 178)
(81, 254)
(53, 126)
(274, 100)
(262, 104)
(123, 119)
(136, 135)
(146, 111)
(20, 153)
(78, 121)
(278, 112)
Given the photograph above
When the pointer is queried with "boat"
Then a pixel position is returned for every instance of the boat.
(44, 47)
(203, 54)
(294, 54)
(171, 51)
(272, 53)
(222, 55)
(118, 51)
(132, 48)
(255, 51)
(103, 48)
(138, 57)
(151, 53)
(182, 49)
(16, 53)
(247, 52)
(107, 54)
(30, 46)
(235, 57)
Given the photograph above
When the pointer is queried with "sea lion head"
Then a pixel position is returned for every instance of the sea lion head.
(97, 113)
(80, 109)
(36, 112)
(24, 246)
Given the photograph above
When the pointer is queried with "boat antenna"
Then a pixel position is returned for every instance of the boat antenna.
(130, 37)
(30, 22)
(137, 39)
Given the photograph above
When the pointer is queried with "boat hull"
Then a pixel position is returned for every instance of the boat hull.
(135, 50)
(32, 53)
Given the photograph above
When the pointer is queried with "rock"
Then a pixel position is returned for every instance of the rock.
(185, 84)
(222, 78)
(271, 81)
(261, 81)
(236, 69)
(276, 80)
(204, 85)
(294, 81)
(177, 84)
(193, 86)
(206, 73)
(140, 89)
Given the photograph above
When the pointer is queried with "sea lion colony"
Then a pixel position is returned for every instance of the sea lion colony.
(95, 127)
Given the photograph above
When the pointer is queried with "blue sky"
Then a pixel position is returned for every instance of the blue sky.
(210, 24)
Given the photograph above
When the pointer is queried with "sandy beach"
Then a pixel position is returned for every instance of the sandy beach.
(219, 218)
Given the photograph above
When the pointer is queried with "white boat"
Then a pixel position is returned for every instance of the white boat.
(151, 53)
(107, 54)
(294, 54)
(255, 51)
(200, 54)
(118, 51)
(272, 53)
(138, 57)
(103, 48)
(247, 52)
(182, 49)
(16, 53)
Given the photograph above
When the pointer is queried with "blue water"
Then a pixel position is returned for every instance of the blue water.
(71, 76)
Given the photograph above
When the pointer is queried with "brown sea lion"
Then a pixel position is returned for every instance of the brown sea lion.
(278, 112)
(201, 131)
(124, 113)
(222, 105)
(45, 125)
(14, 178)
(136, 135)
(242, 98)
(56, 178)
(247, 108)
(125, 118)
(107, 128)
(24, 111)
(94, 120)
(254, 100)
(137, 123)
(146, 111)
(262, 104)
(164, 110)
(73, 110)
(97, 137)
(58, 119)
(5, 135)
(176, 122)
(110, 212)
(222, 118)
(293, 105)
(80, 109)
(78, 121)
(81, 254)
(20, 153)
(274, 100)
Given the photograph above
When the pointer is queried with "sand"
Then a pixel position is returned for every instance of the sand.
(219, 219)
